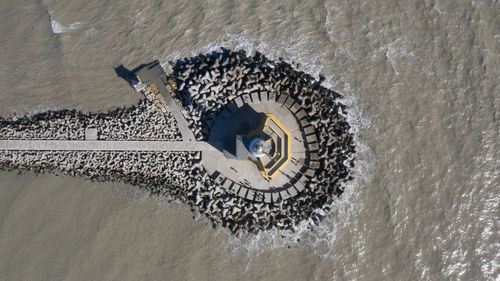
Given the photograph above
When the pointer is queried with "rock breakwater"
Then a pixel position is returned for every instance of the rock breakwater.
(141, 122)
(206, 85)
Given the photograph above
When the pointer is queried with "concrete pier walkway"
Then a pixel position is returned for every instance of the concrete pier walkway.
(152, 74)
(182, 124)
(101, 145)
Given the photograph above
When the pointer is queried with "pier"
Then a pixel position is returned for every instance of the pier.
(250, 143)
(89, 145)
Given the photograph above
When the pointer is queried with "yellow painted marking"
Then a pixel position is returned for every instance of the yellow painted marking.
(287, 141)
(154, 88)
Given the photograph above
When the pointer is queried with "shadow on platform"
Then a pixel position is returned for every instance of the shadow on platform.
(229, 125)
(127, 74)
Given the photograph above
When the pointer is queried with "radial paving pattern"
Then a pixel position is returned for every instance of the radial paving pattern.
(243, 177)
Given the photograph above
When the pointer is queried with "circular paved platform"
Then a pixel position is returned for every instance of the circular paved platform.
(243, 177)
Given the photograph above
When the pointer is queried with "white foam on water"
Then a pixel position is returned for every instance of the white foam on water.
(322, 237)
(90, 32)
(478, 204)
(478, 4)
(75, 25)
(486, 177)
(58, 28)
(396, 50)
(441, 12)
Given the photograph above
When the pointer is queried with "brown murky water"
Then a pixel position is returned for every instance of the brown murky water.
(422, 82)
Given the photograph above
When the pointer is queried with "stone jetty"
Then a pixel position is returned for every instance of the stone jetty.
(141, 122)
(187, 108)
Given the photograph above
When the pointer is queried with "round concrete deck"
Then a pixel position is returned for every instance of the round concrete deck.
(242, 176)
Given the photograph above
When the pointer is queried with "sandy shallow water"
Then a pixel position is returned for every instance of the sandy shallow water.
(421, 79)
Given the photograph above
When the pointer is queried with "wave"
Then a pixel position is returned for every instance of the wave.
(58, 28)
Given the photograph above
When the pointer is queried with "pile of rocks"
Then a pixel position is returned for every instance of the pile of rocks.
(141, 122)
(158, 172)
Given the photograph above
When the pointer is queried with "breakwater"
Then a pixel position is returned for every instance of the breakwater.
(141, 122)
(206, 86)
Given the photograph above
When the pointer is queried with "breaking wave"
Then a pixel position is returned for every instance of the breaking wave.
(58, 28)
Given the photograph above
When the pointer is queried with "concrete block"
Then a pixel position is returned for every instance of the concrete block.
(255, 97)
(284, 194)
(227, 184)
(299, 185)
(275, 196)
(310, 173)
(292, 191)
(282, 98)
(295, 107)
(272, 96)
(313, 146)
(246, 98)
(289, 102)
(267, 197)
(304, 123)
(309, 130)
(311, 138)
(243, 192)
(259, 196)
(314, 164)
(90, 134)
(314, 157)
(235, 188)
(250, 194)
(238, 101)
(301, 114)
(303, 179)
(219, 179)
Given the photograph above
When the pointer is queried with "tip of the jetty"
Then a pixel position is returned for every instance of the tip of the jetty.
(249, 142)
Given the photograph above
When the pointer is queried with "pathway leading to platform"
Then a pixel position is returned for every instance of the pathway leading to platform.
(182, 124)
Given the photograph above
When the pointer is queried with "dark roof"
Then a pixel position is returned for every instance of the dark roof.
(150, 72)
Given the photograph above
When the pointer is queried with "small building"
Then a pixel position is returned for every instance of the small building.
(91, 133)
(147, 75)
(268, 146)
